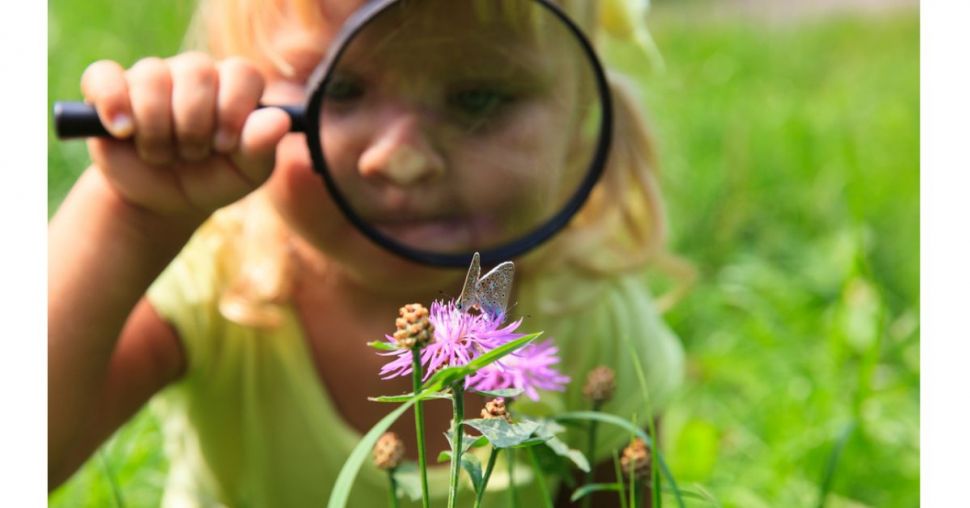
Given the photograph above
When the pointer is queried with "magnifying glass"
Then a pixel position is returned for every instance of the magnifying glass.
(442, 128)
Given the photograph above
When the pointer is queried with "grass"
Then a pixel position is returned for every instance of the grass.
(790, 160)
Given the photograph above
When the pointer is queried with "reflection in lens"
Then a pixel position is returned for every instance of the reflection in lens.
(453, 129)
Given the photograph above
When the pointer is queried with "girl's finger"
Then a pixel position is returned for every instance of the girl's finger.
(194, 85)
(256, 155)
(240, 87)
(150, 91)
(103, 85)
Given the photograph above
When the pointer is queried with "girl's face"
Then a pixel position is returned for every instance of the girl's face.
(446, 132)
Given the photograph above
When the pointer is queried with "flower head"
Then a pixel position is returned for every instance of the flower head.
(388, 451)
(529, 369)
(600, 384)
(636, 459)
(458, 338)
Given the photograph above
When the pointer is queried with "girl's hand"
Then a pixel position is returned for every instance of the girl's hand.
(188, 139)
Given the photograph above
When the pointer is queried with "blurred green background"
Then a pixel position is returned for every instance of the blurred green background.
(789, 151)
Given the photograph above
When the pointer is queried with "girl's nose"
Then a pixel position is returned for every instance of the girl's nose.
(400, 153)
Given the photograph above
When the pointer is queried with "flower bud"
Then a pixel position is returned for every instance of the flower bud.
(413, 326)
(636, 459)
(600, 384)
(388, 451)
(495, 408)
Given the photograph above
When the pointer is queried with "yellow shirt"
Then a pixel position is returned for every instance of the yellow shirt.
(251, 425)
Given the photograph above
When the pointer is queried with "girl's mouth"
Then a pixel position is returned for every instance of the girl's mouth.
(440, 234)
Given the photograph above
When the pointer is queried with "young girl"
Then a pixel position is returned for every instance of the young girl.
(200, 263)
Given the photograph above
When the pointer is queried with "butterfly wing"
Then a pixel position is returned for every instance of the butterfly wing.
(469, 294)
(495, 288)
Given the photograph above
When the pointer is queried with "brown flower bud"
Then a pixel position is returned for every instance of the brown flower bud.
(600, 384)
(636, 459)
(388, 451)
(495, 408)
(413, 326)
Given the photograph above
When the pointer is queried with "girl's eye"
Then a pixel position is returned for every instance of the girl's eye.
(343, 89)
(479, 102)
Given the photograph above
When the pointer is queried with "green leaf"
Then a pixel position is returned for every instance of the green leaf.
(563, 450)
(620, 422)
(532, 441)
(408, 396)
(499, 352)
(503, 434)
(445, 377)
(473, 467)
(479, 442)
(381, 345)
(408, 479)
(589, 488)
(507, 393)
(345, 479)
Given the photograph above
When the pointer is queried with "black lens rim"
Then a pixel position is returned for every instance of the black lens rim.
(317, 85)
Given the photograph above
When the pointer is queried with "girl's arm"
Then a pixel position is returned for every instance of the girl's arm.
(103, 254)
(187, 141)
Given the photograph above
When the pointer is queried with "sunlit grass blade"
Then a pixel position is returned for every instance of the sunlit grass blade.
(348, 473)
(829, 475)
(642, 380)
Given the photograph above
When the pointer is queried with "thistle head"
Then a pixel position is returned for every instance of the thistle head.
(636, 459)
(388, 451)
(413, 326)
(600, 384)
(495, 408)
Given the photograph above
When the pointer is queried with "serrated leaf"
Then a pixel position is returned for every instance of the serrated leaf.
(506, 393)
(382, 346)
(503, 434)
(532, 441)
(589, 488)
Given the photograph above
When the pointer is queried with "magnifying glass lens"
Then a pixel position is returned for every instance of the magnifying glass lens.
(449, 129)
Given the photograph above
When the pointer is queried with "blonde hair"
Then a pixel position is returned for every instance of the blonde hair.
(621, 228)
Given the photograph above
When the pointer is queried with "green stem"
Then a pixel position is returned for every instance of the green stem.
(458, 407)
(591, 454)
(633, 489)
(392, 493)
(540, 477)
(419, 426)
(619, 478)
(513, 493)
(488, 474)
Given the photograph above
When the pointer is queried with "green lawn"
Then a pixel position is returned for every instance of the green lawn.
(790, 159)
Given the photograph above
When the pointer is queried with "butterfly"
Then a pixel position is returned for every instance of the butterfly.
(489, 294)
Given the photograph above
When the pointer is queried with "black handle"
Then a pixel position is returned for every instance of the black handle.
(80, 120)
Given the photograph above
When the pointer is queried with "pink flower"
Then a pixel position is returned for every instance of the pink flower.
(528, 369)
(459, 337)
